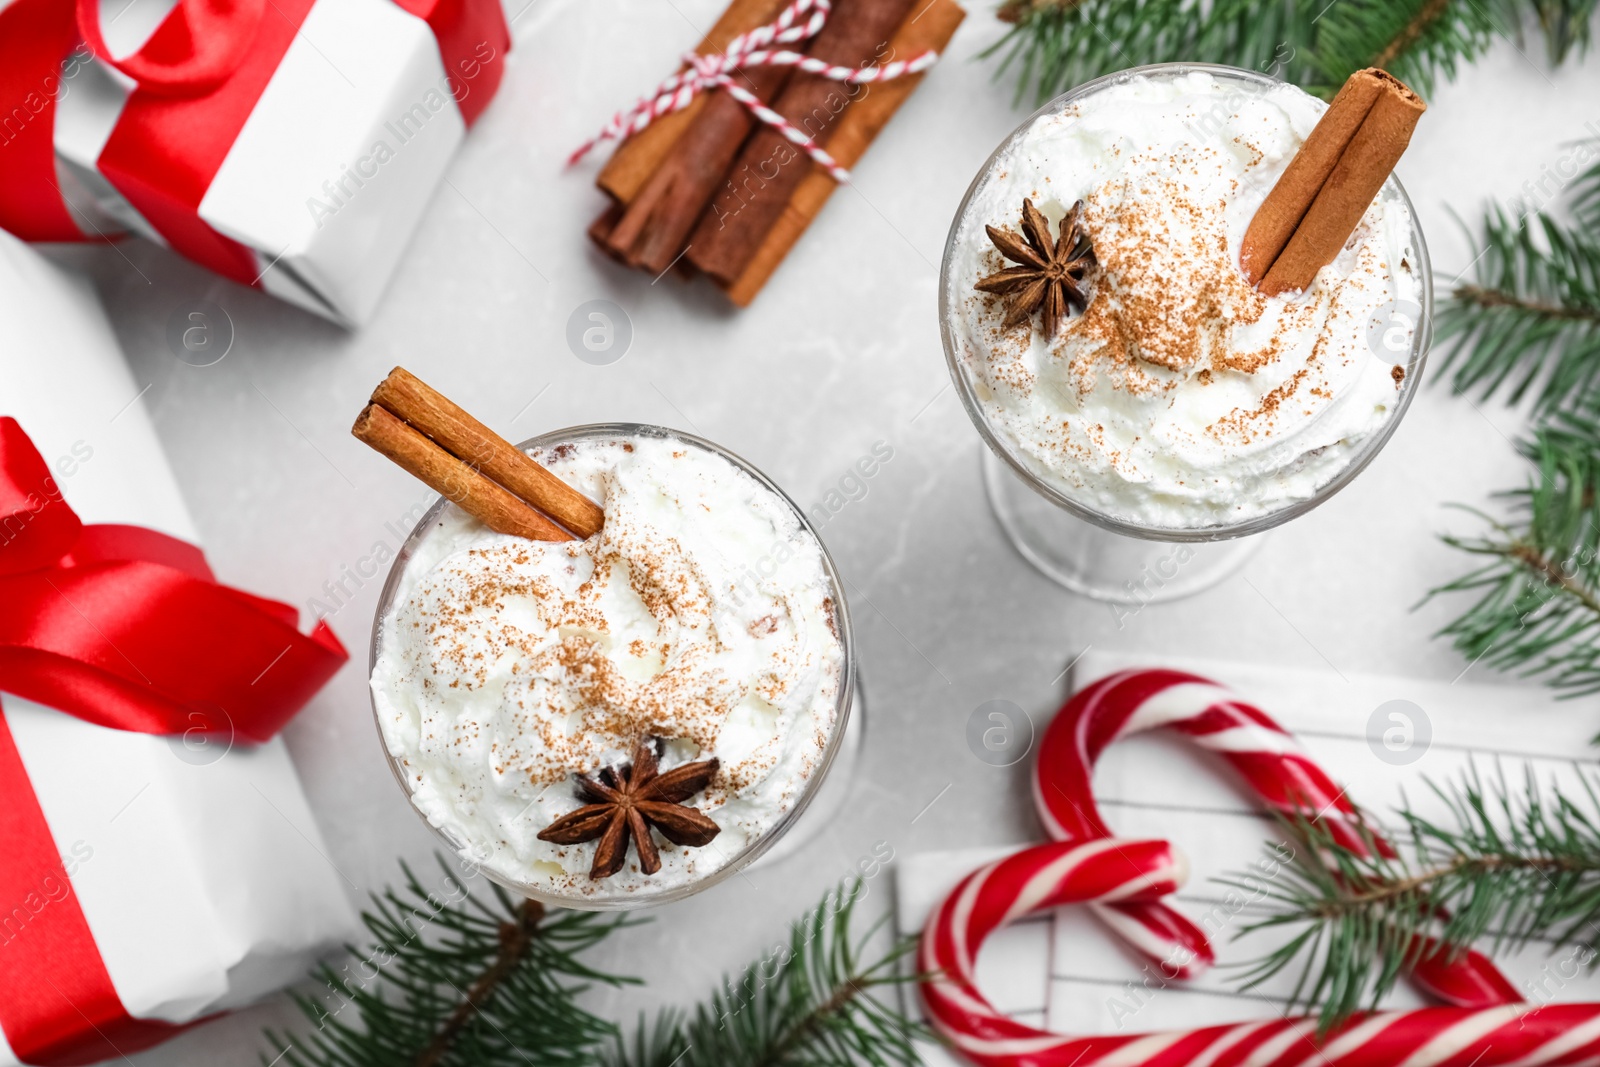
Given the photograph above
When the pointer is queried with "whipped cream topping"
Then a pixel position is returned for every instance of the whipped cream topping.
(1182, 397)
(702, 614)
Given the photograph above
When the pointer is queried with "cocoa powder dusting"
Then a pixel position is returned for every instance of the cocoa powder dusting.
(1169, 307)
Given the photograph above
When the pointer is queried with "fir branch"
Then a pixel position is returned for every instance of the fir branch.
(1531, 320)
(1415, 40)
(1420, 24)
(1506, 868)
(454, 980)
(1056, 44)
(813, 1003)
(516, 937)
(1538, 607)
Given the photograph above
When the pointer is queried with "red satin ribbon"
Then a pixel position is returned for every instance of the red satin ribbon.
(165, 149)
(58, 1007)
(473, 41)
(200, 75)
(35, 37)
(126, 628)
(201, 43)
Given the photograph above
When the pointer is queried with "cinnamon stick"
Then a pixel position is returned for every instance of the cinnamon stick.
(655, 226)
(637, 158)
(770, 168)
(469, 440)
(450, 477)
(860, 125)
(1368, 127)
(1275, 220)
(600, 230)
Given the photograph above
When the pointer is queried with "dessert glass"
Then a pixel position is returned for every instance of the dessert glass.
(1111, 558)
(842, 746)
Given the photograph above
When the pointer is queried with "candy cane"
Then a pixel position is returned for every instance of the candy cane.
(1112, 871)
(1271, 763)
(1124, 881)
(752, 49)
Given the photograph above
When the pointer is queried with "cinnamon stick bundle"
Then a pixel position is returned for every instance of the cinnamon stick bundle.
(931, 28)
(665, 178)
(631, 165)
(770, 168)
(1320, 198)
(661, 181)
(466, 462)
(654, 228)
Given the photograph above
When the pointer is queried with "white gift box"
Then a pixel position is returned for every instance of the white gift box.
(200, 872)
(327, 178)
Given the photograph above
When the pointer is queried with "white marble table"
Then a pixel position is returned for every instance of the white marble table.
(830, 360)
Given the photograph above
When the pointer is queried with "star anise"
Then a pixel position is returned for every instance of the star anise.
(627, 802)
(1051, 275)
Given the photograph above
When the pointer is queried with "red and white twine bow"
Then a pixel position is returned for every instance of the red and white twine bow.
(1484, 1025)
(756, 49)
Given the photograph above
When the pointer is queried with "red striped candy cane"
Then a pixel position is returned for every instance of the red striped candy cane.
(1124, 882)
(1268, 759)
(754, 49)
(1119, 871)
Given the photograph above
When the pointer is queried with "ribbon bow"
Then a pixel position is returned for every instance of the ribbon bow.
(198, 78)
(754, 49)
(127, 628)
(197, 47)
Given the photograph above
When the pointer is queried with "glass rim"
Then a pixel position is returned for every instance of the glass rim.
(752, 851)
(1422, 339)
